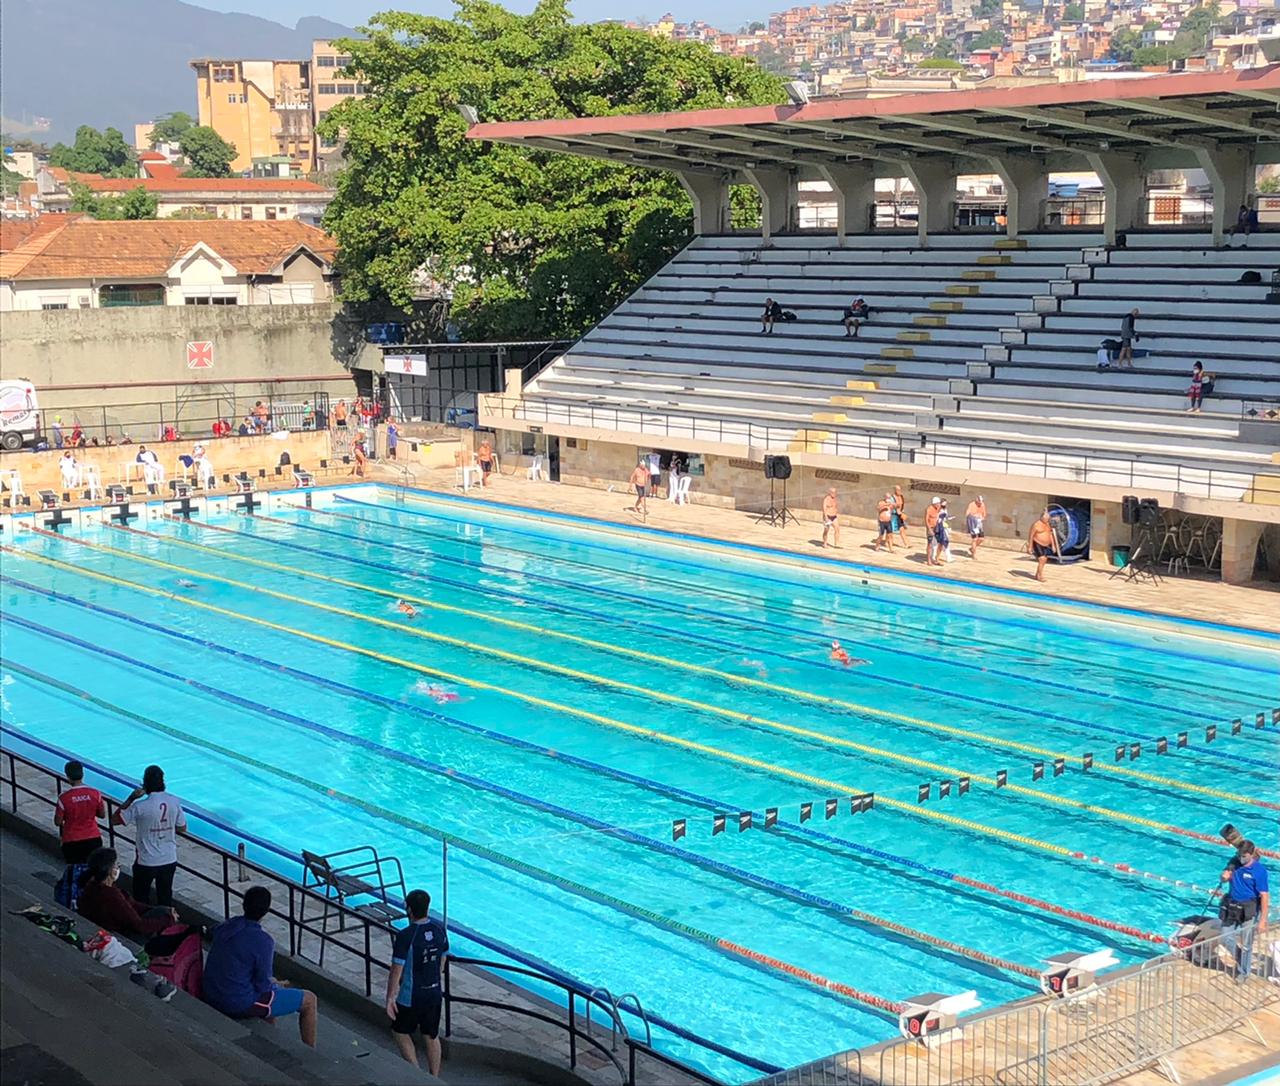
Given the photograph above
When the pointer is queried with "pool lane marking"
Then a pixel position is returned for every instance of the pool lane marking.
(826, 841)
(702, 640)
(1024, 604)
(1217, 631)
(718, 867)
(676, 699)
(688, 744)
(724, 619)
(728, 594)
(483, 851)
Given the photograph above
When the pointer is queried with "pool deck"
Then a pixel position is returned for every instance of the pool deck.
(1001, 564)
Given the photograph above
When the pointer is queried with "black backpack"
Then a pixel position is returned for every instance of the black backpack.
(1250, 277)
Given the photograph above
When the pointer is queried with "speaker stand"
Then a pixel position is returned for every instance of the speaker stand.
(1142, 562)
(776, 514)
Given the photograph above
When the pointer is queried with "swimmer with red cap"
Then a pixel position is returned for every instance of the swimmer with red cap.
(839, 655)
(406, 608)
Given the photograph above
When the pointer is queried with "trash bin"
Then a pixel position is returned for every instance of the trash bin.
(1119, 557)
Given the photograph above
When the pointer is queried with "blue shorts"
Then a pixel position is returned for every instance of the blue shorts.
(276, 1003)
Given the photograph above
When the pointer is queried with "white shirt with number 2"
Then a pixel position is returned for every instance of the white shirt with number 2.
(157, 817)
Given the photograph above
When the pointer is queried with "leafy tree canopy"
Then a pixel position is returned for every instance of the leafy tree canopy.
(939, 62)
(529, 243)
(989, 8)
(1124, 43)
(914, 44)
(1073, 13)
(137, 203)
(207, 153)
(988, 39)
(96, 152)
(944, 49)
(169, 127)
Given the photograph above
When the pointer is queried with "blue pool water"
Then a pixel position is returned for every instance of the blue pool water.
(601, 682)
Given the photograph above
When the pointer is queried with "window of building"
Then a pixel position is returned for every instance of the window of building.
(327, 143)
(243, 99)
(211, 299)
(343, 61)
(271, 213)
(344, 88)
(326, 62)
(231, 98)
(130, 294)
(324, 88)
(246, 213)
(224, 75)
(362, 88)
(53, 305)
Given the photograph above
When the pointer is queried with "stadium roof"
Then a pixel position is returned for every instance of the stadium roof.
(1166, 118)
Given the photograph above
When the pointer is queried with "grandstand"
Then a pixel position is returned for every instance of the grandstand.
(979, 361)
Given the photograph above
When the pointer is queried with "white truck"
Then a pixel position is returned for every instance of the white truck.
(19, 413)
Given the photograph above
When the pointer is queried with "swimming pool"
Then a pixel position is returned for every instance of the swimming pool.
(567, 691)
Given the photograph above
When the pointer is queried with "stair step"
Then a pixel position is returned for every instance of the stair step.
(854, 385)
(913, 337)
(897, 352)
(946, 307)
(963, 289)
(846, 401)
(983, 274)
(928, 320)
(1010, 243)
(995, 258)
(829, 416)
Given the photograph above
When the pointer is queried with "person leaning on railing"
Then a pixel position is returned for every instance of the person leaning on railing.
(1244, 909)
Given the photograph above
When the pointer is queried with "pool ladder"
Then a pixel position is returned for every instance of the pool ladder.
(615, 1014)
(406, 480)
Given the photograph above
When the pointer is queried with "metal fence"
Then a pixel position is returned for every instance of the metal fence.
(1133, 1018)
(930, 449)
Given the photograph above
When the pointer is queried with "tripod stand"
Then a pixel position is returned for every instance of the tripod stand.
(776, 514)
(1142, 562)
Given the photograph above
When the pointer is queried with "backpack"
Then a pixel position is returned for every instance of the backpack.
(789, 315)
(177, 954)
(1250, 277)
(66, 891)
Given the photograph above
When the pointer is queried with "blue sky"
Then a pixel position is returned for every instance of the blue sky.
(721, 13)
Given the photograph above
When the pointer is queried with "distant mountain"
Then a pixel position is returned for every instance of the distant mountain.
(119, 62)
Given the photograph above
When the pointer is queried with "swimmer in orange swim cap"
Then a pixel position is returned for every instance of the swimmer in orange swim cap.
(839, 655)
(406, 609)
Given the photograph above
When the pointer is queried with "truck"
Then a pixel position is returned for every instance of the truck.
(19, 413)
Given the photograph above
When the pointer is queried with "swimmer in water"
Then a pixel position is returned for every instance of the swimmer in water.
(436, 692)
(840, 656)
(184, 583)
(406, 609)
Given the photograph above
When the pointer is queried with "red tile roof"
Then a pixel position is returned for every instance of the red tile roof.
(16, 232)
(83, 248)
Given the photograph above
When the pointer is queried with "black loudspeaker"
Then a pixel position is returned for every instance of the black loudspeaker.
(1129, 508)
(777, 467)
(1149, 513)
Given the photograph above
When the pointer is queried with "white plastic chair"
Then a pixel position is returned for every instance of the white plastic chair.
(535, 469)
(93, 481)
(682, 489)
(13, 484)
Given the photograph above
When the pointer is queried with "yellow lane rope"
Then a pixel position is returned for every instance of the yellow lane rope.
(700, 669)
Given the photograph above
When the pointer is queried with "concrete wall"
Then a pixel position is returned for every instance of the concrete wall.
(91, 358)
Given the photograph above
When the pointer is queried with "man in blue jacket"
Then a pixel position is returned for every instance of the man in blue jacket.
(414, 992)
(1244, 909)
(238, 977)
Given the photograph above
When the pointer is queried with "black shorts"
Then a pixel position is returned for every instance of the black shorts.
(1041, 551)
(641, 490)
(424, 1015)
(78, 852)
(885, 527)
(486, 465)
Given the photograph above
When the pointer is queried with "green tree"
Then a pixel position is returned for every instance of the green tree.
(207, 153)
(1073, 13)
(1269, 185)
(989, 9)
(10, 179)
(869, 23)
(137, 203)
(103, 152)
(529, 243)
(170, 127)
(914, 44)
(988, 39)
(944, 49)
(1124, 43)
(939, 62)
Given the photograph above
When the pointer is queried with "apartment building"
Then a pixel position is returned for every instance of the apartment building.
(330, 85)
(264, 107)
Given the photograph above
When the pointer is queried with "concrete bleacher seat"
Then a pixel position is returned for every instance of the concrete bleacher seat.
(68, 1019)
(974, 341)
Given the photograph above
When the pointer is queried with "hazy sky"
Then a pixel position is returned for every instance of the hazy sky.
(721, 13)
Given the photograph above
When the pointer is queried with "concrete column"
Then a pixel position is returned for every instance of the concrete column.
(779, 200)
(710, 195)
(1124, 181)
(855, 191)
(1107, 529)
(934, 180)
(1231, 172)
(1239, 549)
(1026, 180)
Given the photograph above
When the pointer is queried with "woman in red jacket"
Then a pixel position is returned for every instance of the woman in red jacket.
(103, 903)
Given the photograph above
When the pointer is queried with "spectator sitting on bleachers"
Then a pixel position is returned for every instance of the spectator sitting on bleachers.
(772, 312)
(1246, 223)
(856, 312)
(103, 903)
(221, 428)
(1195, 392)
(238, 978)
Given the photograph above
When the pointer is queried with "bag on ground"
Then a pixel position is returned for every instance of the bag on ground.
(66, 891)
(177, 954)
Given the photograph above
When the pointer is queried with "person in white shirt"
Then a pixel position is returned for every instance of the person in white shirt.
(202, 466)
(70, 470)
(156, 816)
(152, 473)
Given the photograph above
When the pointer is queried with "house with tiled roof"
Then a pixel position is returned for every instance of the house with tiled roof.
(82, 263)
(245, 199)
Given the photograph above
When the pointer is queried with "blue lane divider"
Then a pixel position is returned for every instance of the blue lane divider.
(759, 576)
(496, 945)
(666, 633)
(836, 566)
(833, 844)
(730, 871)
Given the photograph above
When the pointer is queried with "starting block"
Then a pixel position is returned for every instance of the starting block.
(244, 485)
(1074, 971)
(48, 499)
(932, 1018)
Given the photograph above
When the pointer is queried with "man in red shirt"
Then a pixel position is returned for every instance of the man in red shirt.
(76, 815)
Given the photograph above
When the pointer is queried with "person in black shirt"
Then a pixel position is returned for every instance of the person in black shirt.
(414, 992)
(856, 312)
(1128, 334)
(772, 312)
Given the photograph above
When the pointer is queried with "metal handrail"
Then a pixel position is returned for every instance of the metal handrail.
(620, 1002)
(361, 926)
